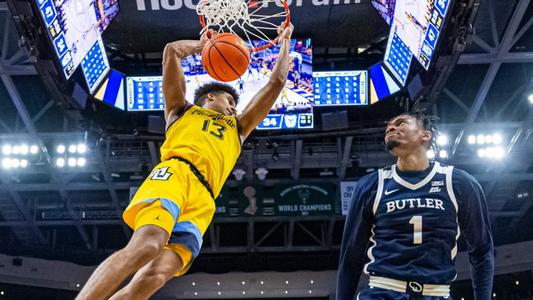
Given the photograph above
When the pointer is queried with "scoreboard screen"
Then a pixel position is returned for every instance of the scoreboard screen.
(95, 65)
(145, 93)
(340, 88)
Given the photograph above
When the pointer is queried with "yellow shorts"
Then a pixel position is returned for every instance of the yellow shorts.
(172, 193)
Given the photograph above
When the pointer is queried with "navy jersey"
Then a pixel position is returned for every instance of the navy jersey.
(405, 226)
(414, 236)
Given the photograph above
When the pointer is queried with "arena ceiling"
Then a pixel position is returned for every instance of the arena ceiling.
(74, 214)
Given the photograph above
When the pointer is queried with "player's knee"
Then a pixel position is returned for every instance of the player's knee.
(146, 244)
(155, 279)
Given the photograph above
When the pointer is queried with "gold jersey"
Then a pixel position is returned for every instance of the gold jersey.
(206, 138)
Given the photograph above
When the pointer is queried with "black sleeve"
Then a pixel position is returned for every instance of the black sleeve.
(475, 226)
(355, 237)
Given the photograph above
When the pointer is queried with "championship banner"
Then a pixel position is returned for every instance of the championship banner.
(300, 199)
(305, 200)
(347, 189)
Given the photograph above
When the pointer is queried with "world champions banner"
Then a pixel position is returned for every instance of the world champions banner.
(147, 25)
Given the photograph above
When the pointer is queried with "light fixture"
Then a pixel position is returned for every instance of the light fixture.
(326, 172)
(71, 162)
(34, 149)
(23, 163)
(286, 282)
(77, 285)
(471, 139)
(262, 282)
(60, 162)
(310, 292)
(16, 149)
(497, 138)
(239, 174)
(243, 292)
(262, 292)
(24, 149)
(15, 163)
(261, 173)
(81, 162)
(480, 139)
(7, 149)
(218, 282)
(243, 283)
(430, 154)
(311, 281)
(6, 163)
(60, 149)
(517, 282)
(530, 98)
(442, 140)
(196, 293)
(443, 154)
(82, 148)
(286, 292)
(481, 153)
(194, 283)
(220, 293)
(72, 148)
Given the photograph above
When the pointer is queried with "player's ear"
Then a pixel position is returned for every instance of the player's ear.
(210, 97)
(426, 136)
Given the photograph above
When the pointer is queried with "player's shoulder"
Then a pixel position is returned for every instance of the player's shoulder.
(462, 175)
(369, 180)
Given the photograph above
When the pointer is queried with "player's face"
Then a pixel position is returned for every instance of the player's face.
(405, 134)
(221, 102)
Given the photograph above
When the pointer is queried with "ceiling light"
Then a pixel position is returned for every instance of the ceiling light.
(16, 149)
(24, 149)
(471, 139)
(497, 138)
(6, 163)
(71, 162)
(60, 149)
(15, 163)
(481, 153)
(60, 162)
(431, 154)
(442, 140)
(81, 162)
(34, 149)
(72, 148)
(480, 139)
(530, 98)
(23, 163)
(443, 154)
(6, 149)
(82, 148)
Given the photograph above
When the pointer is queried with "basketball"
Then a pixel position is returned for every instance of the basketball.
(225, 57)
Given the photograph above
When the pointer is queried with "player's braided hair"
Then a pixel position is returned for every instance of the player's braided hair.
(214, 87)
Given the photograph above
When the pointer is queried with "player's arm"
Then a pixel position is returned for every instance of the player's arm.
(173, 77)
(262, 102)
(355, 238)
(475, 226)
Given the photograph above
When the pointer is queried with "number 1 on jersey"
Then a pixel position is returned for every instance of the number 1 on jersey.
(417, 224)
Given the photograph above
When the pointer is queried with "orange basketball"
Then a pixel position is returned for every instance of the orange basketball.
(225, 57)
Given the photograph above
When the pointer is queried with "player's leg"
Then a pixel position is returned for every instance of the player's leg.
(151, 277)
(146, 244)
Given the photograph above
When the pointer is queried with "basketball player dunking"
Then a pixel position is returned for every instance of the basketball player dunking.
(411, 215)
(174, 206)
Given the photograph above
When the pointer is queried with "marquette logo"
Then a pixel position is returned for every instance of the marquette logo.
(191, 4)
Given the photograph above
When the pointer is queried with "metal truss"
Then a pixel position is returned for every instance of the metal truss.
(496, 57)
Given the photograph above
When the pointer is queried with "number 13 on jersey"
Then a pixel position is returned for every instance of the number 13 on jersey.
(218, 131)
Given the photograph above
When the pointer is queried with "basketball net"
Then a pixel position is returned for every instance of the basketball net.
(252, 18)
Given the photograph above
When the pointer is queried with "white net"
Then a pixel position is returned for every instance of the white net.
(254, 20)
